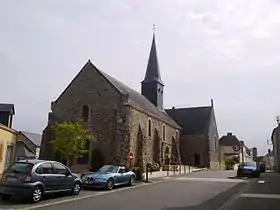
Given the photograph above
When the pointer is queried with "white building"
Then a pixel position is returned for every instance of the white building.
(228, 143)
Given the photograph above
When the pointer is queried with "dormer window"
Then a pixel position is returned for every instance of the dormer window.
(149, 127)
(163, 132)
(85, 113)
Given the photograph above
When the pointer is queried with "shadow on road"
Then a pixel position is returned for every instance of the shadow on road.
(213, 203)
(23, 201)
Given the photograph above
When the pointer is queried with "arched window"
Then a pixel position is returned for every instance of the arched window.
(85, 113)
(150, 127)
(163, 133)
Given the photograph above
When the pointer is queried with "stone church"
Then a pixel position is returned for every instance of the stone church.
(125, 121)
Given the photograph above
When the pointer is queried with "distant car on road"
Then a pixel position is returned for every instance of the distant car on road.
(109, 176)
(34, 178)
(248, 169)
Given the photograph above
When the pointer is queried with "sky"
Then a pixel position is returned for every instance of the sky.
(225, 50)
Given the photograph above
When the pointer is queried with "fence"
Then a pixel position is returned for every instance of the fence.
(168, 171)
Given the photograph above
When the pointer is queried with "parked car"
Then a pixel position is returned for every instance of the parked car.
(35, 178)
(109, 176)
(248, 169)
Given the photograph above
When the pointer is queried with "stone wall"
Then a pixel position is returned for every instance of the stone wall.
(213, 137)
(107, 114)
(194, 144)
(138, 118)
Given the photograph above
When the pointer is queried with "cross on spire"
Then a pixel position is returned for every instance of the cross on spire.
(154, 28)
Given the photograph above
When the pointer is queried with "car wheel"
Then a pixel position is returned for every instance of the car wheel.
(110, 184)
(132, 181)
(5, 197)
(76, 188)
(37, 194)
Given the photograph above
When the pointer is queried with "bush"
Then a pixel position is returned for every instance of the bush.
(230, 162)
(154, 167)
(138, 172)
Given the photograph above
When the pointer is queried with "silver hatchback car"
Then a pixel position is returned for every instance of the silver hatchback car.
(34, 178)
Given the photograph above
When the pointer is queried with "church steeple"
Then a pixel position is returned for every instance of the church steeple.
(152, 71)
(152, 85)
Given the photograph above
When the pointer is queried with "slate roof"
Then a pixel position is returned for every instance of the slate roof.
(138, 100)
(229, 140)
(152, 71)
(7, 108)
(24, 151)
(34, 137)
(193, 120)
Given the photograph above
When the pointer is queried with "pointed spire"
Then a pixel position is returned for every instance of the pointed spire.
(152, 71)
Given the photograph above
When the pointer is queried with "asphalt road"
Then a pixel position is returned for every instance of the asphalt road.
(200, 190)
(258, 195)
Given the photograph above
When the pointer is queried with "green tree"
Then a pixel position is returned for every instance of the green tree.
(71, 140)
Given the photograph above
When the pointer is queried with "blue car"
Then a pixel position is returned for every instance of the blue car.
(248, 169)
(109, 176)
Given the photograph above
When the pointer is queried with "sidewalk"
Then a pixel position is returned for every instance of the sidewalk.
(162, 174)
(264, 193)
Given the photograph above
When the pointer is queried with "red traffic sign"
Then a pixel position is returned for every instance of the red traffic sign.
(236, 148)
(130, 155)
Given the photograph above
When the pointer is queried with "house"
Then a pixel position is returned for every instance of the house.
(8, 136)
(227, 144)
(275, 139)
(28, 145)
(268, 159)
(123, 120)
(199, 144)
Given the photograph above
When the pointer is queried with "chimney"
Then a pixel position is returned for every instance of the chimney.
(173, 107)
(212, 102)
(242, 143)
(229, 134)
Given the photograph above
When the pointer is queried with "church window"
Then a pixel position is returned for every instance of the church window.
(163, 132)
(85, 113)
(150, 127)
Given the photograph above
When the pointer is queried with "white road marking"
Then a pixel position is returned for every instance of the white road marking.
(261, 181)
(210, 179)
(234, 197)
(252, 195)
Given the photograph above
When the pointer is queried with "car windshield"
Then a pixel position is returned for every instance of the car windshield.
(108, 169)
(18, 167)
(249, 164)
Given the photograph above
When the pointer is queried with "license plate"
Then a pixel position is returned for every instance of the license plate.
(11, 179)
